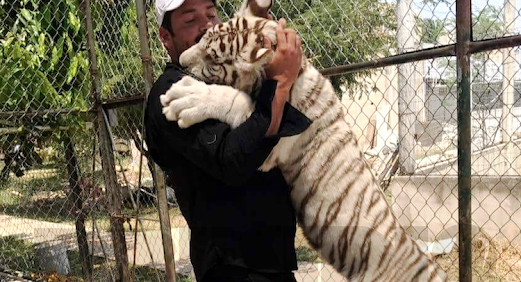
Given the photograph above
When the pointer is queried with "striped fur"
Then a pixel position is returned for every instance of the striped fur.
(340, 207)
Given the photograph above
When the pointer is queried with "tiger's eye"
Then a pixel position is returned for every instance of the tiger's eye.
(260, 40)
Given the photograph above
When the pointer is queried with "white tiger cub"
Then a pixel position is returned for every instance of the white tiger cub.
(340, 206)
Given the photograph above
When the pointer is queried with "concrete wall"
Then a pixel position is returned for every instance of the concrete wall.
(427, 206)
(503, 159)
(500, 160)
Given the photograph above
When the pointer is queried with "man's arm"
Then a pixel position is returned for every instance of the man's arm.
(284, 68)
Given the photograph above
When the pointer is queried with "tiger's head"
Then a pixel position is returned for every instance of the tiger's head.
(233, 53)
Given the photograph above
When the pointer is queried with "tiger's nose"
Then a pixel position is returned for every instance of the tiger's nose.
(207, 26)
(203, 30)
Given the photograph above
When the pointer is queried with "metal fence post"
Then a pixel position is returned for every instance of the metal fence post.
(166, 233)
(107, 156)
(464, 38)
(81, 233)
(114, 196)
(508, 89)
(406, 93)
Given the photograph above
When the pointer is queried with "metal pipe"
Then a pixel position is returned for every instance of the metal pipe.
(494, 44)
(463, 42)
(425, 54)
(123, 102)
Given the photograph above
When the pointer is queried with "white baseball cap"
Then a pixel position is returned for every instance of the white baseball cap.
(163, 6)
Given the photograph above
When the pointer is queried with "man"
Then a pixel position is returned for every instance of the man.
(242, 221)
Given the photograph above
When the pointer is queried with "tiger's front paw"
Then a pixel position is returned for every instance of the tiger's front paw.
(190, 101)
(185, 103)
(184, 87)
(187, 110)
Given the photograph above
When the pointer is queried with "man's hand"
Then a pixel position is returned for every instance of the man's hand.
(287, 60)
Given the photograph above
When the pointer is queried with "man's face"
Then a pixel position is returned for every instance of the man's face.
(189, 23)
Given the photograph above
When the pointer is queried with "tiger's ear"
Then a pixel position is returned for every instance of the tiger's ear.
(255, 8)
(261, 56)
(258, 59)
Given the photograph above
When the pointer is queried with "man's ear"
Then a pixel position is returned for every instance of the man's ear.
(166, 37)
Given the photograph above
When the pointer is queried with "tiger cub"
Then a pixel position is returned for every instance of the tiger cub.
(340, 207)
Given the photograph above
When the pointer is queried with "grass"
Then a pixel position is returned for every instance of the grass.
(41, 194)
(492, 260)
(305, 254)
(104, 270)
(19, 255)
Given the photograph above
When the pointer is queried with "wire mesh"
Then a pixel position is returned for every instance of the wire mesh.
(405, 117)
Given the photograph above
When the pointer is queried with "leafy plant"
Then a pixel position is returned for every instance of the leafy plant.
(118, 49)
(432, 29)
(42, 64)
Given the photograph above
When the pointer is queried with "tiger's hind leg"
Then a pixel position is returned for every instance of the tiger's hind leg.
(279, 155)
(269, 163)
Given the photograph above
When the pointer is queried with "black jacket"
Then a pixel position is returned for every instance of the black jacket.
(237, 215)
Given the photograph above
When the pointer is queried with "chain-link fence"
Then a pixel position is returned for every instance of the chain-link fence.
(78, 195)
